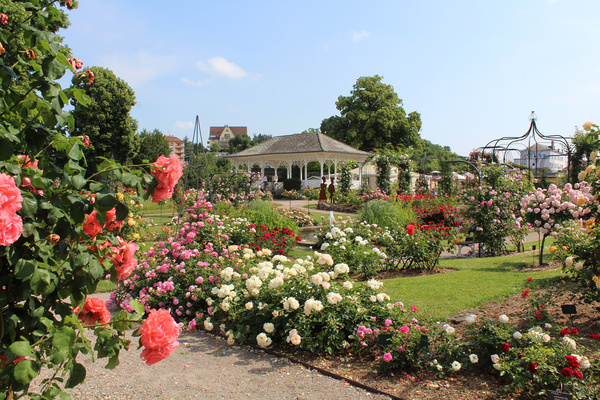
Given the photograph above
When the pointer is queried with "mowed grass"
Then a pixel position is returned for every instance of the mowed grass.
(474, 283)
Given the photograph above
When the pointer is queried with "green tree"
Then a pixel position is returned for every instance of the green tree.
(584, 143)
(259, 138)
(152, 145)
(239, 143)
(106, 121)
(372, 118)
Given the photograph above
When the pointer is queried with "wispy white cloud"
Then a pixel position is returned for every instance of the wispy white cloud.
(184, 124)
(137, 68)
(219, 67)
(360, 35)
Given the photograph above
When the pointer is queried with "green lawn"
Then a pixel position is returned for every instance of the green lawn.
(474, 283)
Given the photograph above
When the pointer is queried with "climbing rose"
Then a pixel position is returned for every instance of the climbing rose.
(124, 258)
(159, 336)
(11, 224)
(588, 125)
(11, 227)
(167, 172)
(10, 195)
(93, 311)
(387, 357)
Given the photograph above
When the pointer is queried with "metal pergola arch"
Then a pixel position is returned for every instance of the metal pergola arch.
(532, 139)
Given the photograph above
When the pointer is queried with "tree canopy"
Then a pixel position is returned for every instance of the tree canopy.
(372, 118)
(106, 120)
(152, 145)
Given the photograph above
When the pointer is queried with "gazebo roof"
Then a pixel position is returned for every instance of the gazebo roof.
(313, 142)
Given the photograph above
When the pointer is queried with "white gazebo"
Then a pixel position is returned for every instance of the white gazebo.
(298, 150)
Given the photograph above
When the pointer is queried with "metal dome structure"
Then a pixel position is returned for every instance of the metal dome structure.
(535, 151)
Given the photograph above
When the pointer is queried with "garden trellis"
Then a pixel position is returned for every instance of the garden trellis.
(536, 151)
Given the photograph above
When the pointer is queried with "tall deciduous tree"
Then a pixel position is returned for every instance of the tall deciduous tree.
(152, 145)
(239, 143)
(106, 120)
(372, 117)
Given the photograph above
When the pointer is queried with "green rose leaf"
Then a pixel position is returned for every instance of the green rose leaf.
(106, 202)
(77, 375)
(25, 371)
(78, 182)
(6, 149)
(21, 349)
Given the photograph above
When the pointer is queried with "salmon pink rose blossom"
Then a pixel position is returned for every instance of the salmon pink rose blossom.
(11, 224)
(159, 336)
(93, 311)
(167, 172)
(124, 258)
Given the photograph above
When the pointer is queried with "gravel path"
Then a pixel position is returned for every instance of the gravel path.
(205, 367)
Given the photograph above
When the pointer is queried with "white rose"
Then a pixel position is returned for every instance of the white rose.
(518, 335)
(249, 305)
(474, 358)
(263, 340)
(456, 366)
(503, 318)
(268, 327)
(495, 358)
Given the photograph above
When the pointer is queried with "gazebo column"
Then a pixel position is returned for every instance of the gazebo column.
(305, 167)
(321, 164)
(335, 169)
(248, 166)
(289, 170)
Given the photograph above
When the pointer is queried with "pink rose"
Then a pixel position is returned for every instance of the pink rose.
(167, 172)
(404, 329)
(124, 258)
(93, 311)
(387, 357)
(159, 336)
(3, 19)
(11, 227)
(10, 195)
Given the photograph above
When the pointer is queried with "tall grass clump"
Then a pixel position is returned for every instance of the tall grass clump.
(264, 213)
(385, 213)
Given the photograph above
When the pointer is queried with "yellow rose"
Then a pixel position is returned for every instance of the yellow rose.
(581, 175)
(553, 249)
(581, 200)
(120, 196)
(136, 236)
(588, 125)
(130, 222)
(594, 156)
(595, 278)
(564, 247)
(131, 202)
(590, 168)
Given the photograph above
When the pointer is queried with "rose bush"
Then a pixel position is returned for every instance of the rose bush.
(59, 225)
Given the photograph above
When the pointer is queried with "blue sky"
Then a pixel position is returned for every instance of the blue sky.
(474, 70)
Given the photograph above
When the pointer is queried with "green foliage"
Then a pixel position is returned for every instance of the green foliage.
(311, 193)
(152, 145)
(386, 213)
(346, 176)
(238, 143)
(263, 213)
(384, 170)
(52, 265)
(107, 120)
(292, 184)
(372, 118)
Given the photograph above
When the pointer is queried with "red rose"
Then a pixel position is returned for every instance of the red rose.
(93, 311)
(111, 220)
(91, 225)
(566, 372)
(410, 229)
(505, 347)
(578, 374)
(574, 331)
(565, 331)
(159, 336)
(532, 367)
